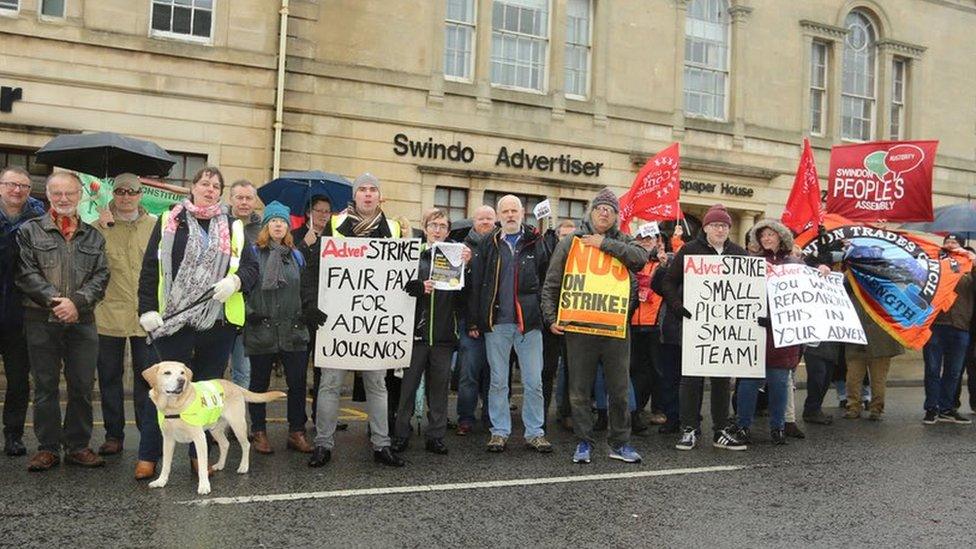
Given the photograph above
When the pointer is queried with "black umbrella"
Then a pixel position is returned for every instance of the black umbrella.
(106, 155)
(957, 218)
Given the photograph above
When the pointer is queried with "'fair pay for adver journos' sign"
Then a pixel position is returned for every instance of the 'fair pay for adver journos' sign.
(369, 324)
(725, 295)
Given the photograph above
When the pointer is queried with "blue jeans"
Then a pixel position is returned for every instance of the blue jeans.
(240, 364)
(778, 383)
(471, 381)
(819, 372)
(944, 355)
(600, 391)
(498, 344)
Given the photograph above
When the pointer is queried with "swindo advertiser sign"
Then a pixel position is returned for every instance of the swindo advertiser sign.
(595, 294)
(369, 315)
(882, 181)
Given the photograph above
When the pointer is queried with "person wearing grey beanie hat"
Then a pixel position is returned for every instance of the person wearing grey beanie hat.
(606, 197)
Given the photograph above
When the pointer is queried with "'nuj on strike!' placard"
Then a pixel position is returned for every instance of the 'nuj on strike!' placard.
(369, 323)
(725, 295)
(595, 294)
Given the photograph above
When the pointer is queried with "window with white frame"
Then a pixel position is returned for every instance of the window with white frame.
(191, 19)
(706, 58)
(899, 68)
(818, 87)
(9, 5)
(454, 202)
(570, 209)
(578, 44)
(459, 36)
(859, 77)
(519, 43)
(52, 8)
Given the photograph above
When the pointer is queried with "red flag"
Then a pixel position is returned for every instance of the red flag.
(655, 192)
(882, 181)
(803, 207)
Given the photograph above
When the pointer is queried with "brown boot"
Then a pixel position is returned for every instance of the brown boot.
(193, 467)
(42, 461)
(259, 441)
(297, 442)
(84, 458)
(145, 470)
(111, 447)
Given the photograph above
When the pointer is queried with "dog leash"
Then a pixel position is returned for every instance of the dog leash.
(152, 341)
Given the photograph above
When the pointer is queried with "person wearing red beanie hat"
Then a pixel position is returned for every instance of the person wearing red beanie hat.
(712, 240)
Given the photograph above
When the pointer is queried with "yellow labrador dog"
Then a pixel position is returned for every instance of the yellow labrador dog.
(188, 409)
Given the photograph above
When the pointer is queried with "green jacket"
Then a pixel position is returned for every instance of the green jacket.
(274, 317)
(125, 243)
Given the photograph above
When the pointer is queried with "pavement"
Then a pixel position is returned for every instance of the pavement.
(893, 483)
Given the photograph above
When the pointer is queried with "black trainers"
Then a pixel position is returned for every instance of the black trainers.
(689, 439)
(931, 418)
(953, 416)
(778, 437)
(744, 436)
(399, 445)
(726, 439)
(818, 418)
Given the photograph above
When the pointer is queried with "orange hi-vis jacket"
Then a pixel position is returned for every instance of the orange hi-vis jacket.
(649, 303)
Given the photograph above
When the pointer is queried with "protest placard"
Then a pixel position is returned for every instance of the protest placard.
(725, 295)
(447, 266)
(805, 307)
(369, 315)
(542, 210)
(595, 294)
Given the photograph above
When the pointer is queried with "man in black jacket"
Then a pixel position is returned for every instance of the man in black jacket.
(506, 280)
(712, 240)
(62, 273)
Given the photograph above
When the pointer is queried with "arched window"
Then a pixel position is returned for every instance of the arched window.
(706, 58)
(858, 88)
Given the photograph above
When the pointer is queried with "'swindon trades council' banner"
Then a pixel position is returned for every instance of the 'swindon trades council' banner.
(595, 294)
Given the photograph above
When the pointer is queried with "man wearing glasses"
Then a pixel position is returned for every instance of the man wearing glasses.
(126, 227)
(713, 240)
(62, 273)
(16, 208)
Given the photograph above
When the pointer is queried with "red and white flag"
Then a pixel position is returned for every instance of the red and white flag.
(656, 190)
(803, 207)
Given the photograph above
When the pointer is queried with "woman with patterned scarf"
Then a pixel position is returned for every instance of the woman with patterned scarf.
(195, 248)
(364, 219)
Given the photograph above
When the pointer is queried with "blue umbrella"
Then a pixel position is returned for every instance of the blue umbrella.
(957, 218)
(296, 189)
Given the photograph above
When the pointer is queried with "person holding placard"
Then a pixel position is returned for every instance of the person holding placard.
(712, 240)
(365, 219)
(601, 255)
(775, 245)
(435, 340)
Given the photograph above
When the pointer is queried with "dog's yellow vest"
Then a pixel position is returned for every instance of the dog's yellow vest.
(206, 407)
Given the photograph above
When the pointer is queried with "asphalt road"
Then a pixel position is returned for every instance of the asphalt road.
(890, 483)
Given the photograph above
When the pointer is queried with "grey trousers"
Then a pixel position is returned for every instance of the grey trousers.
(327, 414)
(584, 352)
(49, 345)
(436, 363)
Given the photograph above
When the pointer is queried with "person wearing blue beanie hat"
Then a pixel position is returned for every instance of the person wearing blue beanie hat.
(276, 209)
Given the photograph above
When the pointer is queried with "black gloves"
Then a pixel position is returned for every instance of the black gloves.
(315, 316)
(685, 313)
(763, 321)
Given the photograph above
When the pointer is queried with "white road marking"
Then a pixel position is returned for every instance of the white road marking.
(388, 490)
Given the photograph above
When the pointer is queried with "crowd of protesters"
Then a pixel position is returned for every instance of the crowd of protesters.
(74, 296)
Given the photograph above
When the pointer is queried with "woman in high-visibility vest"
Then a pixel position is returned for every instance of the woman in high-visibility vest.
(196, 250)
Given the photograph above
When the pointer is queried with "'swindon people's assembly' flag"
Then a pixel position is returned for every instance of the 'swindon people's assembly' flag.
(595, 294)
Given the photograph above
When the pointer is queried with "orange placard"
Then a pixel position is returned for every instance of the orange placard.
(595, 294)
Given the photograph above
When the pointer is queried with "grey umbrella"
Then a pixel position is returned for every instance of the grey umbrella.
(957, 218)
(106, 155)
